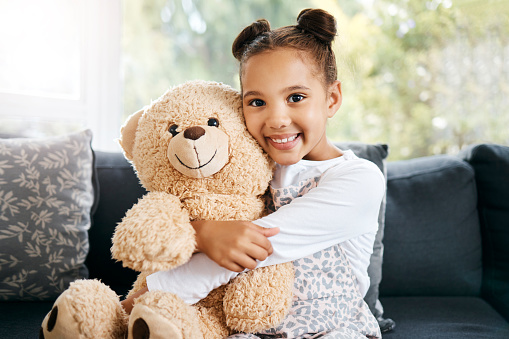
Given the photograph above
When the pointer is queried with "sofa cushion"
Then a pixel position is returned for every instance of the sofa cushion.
(432, 234)
(491, 165)
(46, 197)
(377, 153)
(22, 319)
(444, 317)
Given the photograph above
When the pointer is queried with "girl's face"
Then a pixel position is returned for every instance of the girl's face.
(286, 106)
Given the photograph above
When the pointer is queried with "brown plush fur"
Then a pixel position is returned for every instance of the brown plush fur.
(206, 171)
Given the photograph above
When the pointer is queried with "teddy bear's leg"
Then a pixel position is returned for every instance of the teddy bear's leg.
(259, 299)
(87, 309)
(211, 313)
(160, 314)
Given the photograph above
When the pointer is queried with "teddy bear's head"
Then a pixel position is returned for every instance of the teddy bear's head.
(194, 139)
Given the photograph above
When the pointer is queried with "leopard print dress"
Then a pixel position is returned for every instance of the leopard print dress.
(327, 302)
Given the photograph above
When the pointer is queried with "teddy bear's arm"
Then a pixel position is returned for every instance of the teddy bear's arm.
(155, 234)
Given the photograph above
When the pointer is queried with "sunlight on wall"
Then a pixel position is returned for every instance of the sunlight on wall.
(60, 68)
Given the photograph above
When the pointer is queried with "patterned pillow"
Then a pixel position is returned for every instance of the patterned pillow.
(46, 197)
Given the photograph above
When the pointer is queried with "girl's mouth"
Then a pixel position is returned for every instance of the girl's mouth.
(284, 143)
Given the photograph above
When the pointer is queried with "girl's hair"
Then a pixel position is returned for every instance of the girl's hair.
(314, 33)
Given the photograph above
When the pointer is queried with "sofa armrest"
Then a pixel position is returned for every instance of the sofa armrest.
(491, 165)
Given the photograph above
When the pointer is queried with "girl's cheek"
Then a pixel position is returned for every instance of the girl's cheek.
(249, 126)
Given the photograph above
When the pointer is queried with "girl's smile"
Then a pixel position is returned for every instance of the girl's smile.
(286, 106)
(284, 142)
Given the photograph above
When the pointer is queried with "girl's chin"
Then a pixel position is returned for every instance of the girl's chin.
(284, 158)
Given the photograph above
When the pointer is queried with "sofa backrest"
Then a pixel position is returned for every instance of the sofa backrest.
(119, 190)
(432, 234)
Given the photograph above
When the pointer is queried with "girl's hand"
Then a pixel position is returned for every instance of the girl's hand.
(234, 245)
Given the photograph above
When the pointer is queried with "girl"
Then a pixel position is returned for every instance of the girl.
(327, 200)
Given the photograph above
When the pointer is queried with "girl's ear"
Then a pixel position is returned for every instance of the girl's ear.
(335, 98)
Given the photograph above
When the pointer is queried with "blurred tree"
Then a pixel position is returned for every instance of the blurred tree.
(425, 77)
(167, 42)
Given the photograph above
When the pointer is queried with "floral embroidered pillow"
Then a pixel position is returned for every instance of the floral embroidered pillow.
(46, 197)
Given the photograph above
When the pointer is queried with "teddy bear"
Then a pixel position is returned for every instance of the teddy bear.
(192, 152)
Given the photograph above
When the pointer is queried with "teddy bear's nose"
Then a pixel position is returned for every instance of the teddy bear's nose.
(194, 133)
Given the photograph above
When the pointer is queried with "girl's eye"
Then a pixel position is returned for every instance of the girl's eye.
(213, 122)
(257, 103)
(173, 130)
(295, 98)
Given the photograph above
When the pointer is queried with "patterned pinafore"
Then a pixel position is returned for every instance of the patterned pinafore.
(327, 302)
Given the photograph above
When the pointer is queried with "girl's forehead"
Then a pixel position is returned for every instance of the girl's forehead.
(280, 62)
(283, 54)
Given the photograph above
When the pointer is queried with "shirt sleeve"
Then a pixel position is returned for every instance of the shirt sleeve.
(192, 281)
(344, 205)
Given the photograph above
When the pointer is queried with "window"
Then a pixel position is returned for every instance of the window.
(426, 77)
(60, 68)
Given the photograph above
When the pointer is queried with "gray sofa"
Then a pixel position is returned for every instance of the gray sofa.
(445, 270)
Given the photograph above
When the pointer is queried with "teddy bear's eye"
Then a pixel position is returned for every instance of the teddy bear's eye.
(173, 130)
(213, 122)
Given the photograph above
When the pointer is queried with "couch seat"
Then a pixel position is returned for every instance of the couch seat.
(444, 317)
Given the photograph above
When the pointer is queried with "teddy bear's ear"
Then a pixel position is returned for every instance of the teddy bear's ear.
(128, 134)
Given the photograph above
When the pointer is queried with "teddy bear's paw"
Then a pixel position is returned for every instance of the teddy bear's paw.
(155, 234)
(161, 315)
(88, 309)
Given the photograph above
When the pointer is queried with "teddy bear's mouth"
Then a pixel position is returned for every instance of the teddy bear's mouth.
(194, 168)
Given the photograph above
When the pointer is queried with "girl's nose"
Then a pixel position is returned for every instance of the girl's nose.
(278, 118)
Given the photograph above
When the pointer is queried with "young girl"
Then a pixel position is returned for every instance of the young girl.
(327, 200)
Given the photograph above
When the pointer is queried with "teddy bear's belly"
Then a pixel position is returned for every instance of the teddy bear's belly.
(224, 207)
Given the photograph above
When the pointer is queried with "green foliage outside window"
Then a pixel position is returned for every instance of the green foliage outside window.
(425, 77)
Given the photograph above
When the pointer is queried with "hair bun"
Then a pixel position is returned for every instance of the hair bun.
(319, 23)
(247, 35)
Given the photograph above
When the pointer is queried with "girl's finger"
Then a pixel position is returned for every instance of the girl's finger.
(267, 232)
(257, 253)
(247, 262)
(233, 267)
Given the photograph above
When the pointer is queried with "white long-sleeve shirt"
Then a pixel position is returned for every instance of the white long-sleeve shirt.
(341, 207)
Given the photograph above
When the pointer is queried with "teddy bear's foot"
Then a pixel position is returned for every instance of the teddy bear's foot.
(87, 309)
(147, 323)
(161, 315)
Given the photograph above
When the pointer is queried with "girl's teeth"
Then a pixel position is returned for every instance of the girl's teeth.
(285, 140)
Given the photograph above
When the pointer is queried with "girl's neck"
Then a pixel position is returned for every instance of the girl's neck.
(329, 152)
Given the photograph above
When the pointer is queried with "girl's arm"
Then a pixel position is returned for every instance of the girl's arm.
(340, 208)
(345, 205)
